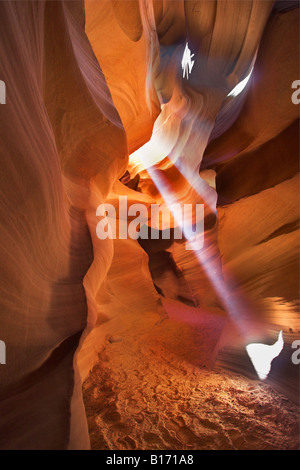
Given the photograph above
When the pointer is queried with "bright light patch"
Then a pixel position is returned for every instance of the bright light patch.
(187, 63)
(262, 355)
(153, 151)
(240, 86)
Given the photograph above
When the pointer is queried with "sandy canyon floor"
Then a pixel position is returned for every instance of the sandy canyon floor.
(151, 389)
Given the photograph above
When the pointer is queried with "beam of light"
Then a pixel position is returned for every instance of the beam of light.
(145, 158)
(154, 151)
(262, 355)
(174, 207)
(235, 307)
(240, 86)
(210, 265)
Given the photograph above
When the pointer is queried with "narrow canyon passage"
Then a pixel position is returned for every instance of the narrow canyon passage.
(149, 275)
(178, 377)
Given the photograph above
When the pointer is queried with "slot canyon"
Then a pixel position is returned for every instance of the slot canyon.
(154, 342)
